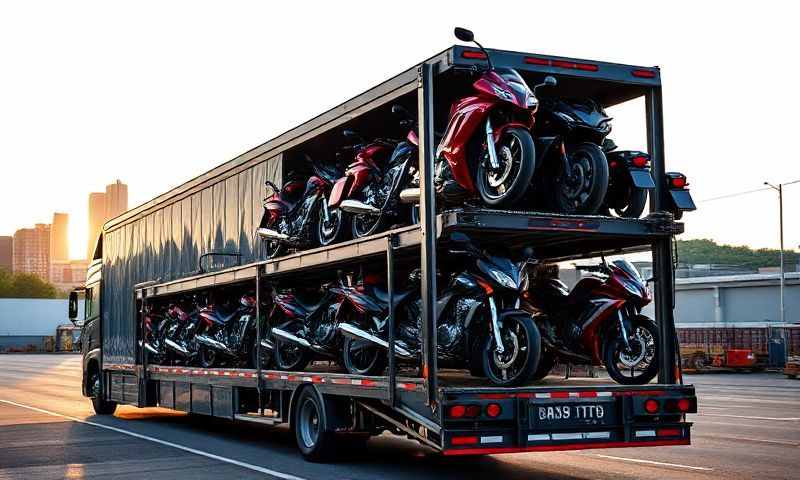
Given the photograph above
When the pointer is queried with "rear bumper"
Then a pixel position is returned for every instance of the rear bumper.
(562, 447)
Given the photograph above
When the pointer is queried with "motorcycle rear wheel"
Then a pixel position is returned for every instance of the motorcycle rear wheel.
(582, 190)
(629, 203)
(522, 344)
(290, 356)
(517, 156)
(332, 231)
(361, 358)
(273, 248)
(644, 348)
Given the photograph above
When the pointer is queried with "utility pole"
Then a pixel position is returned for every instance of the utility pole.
(779, 189)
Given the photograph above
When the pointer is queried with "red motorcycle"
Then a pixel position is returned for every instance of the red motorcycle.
(297, 214)
(369, 193)
(487, 149)
(598, 322)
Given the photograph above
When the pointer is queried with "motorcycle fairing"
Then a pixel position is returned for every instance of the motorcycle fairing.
(339, 191)
(468, 114)
(591, 322)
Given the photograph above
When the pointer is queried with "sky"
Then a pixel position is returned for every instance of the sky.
(156, 93)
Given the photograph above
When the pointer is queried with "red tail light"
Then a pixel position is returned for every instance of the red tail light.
(639, 162)
(642, 73)
(669, 432)
(464, 440)
(651, 405)
(587, 67)
(493, 410)
(472, 54)
(457, 411)
(684, 405)
(678, 182)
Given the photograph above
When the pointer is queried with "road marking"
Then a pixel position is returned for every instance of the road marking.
(212, 456)
(781, 419)
(747, 439)
(653, 462)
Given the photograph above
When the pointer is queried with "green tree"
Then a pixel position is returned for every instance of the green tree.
(702, 251)
(25, 285)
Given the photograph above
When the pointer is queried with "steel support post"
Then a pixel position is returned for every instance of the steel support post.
(662, 248)
(258, 339)
(428, 217)
(390, 351)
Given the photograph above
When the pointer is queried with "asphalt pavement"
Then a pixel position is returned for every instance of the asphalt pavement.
(748, 427)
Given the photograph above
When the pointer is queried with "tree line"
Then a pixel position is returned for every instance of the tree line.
(26, 285)
(706, 251)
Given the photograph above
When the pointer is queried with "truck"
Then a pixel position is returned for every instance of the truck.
(157, 250)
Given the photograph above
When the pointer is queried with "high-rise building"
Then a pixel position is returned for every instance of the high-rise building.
(32, 250)
(97, 216)
(7, 253)
(116, 199)
(104, 206)
(59, 243)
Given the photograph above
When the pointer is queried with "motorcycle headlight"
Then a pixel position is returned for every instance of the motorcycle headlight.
(502, 279)
(531, 101)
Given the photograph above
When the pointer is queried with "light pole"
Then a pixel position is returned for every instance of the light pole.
(779, 189)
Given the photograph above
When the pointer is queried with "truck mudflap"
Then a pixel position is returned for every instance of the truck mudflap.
(478, 423)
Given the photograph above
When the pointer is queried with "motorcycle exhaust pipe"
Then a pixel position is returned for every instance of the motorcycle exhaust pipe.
(267, 344)
(216, 345)
(354, 206)
(409, 195)
(291, 337)
(177, 347)
(149, 348)
(269, 234)
(357, 333)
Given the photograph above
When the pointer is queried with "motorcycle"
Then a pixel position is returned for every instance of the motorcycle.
(369, 192)
(680, 200)
(569, 135)
(302, 329)
(227, 335)
(487, 149)
(628, 181)
(297, 214)
(598, 323)
(154, 333)
(478, 321)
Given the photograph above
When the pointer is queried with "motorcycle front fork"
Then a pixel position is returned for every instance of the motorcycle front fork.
(490, 146)
(622, 330)
(326, 214)
(495, 326)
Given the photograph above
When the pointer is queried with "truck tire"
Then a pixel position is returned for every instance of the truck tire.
(101, 406)
(311, 431)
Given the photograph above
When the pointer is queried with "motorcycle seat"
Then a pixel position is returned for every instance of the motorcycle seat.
(310, 306)
(383, 295)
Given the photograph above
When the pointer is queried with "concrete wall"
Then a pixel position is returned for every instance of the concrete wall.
(741, 300)
(32, 316)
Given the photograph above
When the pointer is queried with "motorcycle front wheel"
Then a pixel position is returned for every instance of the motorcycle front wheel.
(517, 158)
(582, 189)
(363, 358)
(521, 349)
(638, 364)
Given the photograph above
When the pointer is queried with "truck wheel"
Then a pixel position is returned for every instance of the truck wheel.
(101, 407)
(314, 439)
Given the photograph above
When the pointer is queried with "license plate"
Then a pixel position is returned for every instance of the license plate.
(544, 415)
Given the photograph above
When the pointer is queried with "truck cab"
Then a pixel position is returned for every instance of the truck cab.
(91, 332)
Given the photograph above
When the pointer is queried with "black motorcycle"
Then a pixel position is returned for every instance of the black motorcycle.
(628, 182)
(303, 328)
(479, 324)
(292, 214)
(569, 135)
(227, 335)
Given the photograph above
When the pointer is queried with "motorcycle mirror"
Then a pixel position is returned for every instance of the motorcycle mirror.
(550, 81)
(464, 34)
